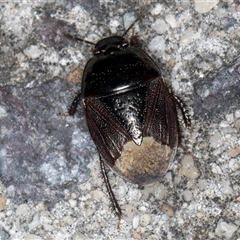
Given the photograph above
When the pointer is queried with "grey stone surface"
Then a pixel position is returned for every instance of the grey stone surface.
(51, 187)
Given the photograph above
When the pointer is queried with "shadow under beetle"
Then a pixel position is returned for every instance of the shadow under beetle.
(130, 112)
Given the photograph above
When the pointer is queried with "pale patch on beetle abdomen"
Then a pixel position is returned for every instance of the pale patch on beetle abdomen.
(144, 164)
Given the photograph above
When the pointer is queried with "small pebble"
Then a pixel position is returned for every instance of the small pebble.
(149, 189)
(135, 221)
(200, 215)
(160, 192)
(128, 19)
(188, 169)
(215, 140)
(215, 168)
(73, 203)
(97, 194)
(136, 236)
(113, 26)
(237, 113)
(48, 227)
(171, 62)
(170, 19)
(34, 223)
(225, 229)
(3, 112)
(205, 6)
(226, 187)
(238, 8)
(2, 203)
(157, 45)
(222, 34)
(128, 212)
(157, 9)
(160, 26)
(187, 195)
(23, 210)
(229, 118)
(233, 152)
(75, 75)
(237, 124)
(209, 57)
(167, 209)
(145, 219)
(187, 37)
(67, 220)
(11, 191)
(79, 236)
(41, 206)
(32, 237)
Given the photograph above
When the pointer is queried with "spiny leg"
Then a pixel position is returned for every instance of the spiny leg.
(186, 117)
(72, 109)
(113, 199)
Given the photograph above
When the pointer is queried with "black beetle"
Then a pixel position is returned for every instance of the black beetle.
(130, 112)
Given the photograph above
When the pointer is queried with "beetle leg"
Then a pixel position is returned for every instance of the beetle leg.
(72, 109)
(186, 117)
(113, 199)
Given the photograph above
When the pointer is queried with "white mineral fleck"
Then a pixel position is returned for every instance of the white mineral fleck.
(225, 229)
(34, 223)
(20, 57)
(135, 221)
(157, 45)
(67, 220)
(22, 209)
(215, 140)
(215, 168)
(187, 194)
(128, 19)
(113, 25)
(97, 194)
(237, 113)
(3, 112)
(157, 9)
(79, 236)
(160, 192)
(33, 52)
(226, 187)
(48, 227)
(186, 3)
(72, 202)
(204, 6)
(171, 20)
(187, 37)
(160, 26)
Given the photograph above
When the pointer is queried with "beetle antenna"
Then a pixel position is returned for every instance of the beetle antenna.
(136, 20)
(78, 39)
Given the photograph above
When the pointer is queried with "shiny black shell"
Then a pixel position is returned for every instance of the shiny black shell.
(129, 109)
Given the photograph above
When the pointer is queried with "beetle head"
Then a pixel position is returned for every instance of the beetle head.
(110, 45)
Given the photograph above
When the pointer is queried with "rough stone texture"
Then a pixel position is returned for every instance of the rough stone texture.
(51, 185)
(204, 6)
